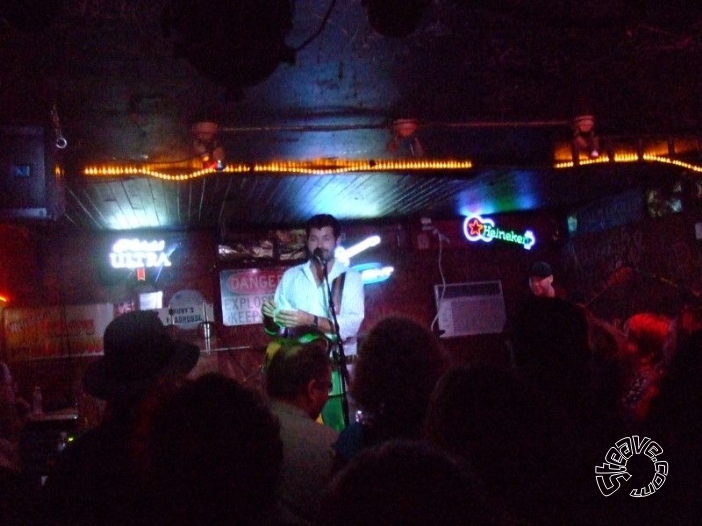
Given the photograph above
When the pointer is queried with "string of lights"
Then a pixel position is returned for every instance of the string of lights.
(313, 167)
(631, 158)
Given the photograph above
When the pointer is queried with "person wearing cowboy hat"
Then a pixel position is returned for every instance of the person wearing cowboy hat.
(92, 481)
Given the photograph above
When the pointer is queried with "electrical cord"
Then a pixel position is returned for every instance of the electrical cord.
(319, 29)
(440, 300)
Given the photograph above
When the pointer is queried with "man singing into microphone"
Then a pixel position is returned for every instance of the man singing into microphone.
(302, 299)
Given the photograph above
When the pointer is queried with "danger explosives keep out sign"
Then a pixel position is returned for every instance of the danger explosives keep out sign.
(243, 293)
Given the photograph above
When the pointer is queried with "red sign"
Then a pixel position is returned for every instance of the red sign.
(55, 332)
(256, 281)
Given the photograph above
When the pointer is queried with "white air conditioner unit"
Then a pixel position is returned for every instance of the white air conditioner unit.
(476, 307)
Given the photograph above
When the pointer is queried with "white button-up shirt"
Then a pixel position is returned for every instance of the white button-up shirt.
(298, 289)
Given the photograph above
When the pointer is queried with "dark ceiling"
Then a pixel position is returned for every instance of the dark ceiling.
(495, 82)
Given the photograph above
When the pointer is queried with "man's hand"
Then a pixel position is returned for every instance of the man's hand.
(268, 307)
(293, 318)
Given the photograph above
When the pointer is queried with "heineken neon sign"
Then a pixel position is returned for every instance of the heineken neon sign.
(476, 228)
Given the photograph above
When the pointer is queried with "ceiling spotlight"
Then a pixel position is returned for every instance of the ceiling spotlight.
(395, 19)
(584, 137)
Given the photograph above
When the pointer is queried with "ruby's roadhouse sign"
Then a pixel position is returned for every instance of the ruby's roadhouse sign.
(244, 291)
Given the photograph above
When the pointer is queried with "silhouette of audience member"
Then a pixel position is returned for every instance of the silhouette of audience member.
(10, 430)
(398, 365)
(541, 285)
(92, 481)
(17, 491)
(686, 322)
(8, 392)
(213, 456)
(153, 402)
(298, 380)
(609, 372)
(487, 419)
(675, 418)
(402, 482)
(7, 384)
(16, 494)
(551, 351)
(645, 335)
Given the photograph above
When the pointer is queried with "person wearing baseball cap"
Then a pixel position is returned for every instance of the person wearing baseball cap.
(541, 280)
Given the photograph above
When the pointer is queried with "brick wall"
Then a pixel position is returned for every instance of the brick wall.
(44, 268)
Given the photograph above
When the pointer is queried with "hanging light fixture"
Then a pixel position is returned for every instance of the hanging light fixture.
(206, 144)
(584, 137)
(405, 130)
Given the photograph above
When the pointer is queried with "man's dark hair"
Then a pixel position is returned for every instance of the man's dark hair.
(214, 455)
(292, 367)
(403, 482)
(320, 221)
(399, 362)
(551, 348)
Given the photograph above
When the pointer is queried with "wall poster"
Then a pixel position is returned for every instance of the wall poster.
(281, 245)
(54, 332)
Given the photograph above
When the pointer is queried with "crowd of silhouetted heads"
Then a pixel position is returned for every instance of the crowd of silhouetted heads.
(437, 442)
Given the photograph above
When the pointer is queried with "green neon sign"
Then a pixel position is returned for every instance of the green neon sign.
(476, 228)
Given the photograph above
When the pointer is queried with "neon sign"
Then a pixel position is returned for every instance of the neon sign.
(136, 253)
(345, 254)
(370, 272)
(373, 272)
(476, 228)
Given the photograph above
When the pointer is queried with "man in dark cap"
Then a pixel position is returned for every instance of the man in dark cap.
(93, 481)
(542, 285)
(541, 280)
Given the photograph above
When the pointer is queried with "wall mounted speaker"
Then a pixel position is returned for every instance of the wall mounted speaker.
(30, 180)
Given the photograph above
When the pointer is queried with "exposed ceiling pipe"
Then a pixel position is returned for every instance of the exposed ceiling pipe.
(386, 124)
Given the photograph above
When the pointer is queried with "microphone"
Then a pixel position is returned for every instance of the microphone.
(319, 256)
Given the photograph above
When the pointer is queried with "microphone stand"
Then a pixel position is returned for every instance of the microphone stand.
(339, 357)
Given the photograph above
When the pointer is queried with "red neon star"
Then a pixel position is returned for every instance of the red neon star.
(476, 227)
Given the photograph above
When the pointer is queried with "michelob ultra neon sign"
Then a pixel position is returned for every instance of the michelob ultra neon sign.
(476, 228)
(135, 253)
